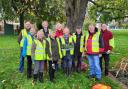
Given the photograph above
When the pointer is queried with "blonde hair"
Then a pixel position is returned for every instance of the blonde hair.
(58, 25)
(44, 22)
(33, 26)
(27, 21)
(39, 33)
(66, 29)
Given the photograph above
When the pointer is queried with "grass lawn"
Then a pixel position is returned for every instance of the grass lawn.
(10, 78)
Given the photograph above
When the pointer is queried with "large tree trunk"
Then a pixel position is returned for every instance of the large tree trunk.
(75, 12)
(21, 20)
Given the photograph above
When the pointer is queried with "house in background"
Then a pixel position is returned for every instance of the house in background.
(8, 27)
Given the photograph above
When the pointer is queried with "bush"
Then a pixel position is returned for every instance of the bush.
(87, 21)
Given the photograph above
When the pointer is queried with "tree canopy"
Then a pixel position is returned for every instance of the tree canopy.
(51, 10)
(108, 9)
(70, 11)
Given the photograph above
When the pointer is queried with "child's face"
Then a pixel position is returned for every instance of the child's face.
(33, 31)
(59, 27)
(66, 31)
(78, 31)
(40, 35)
(53, 35)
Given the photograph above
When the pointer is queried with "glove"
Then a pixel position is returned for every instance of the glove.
(108, 52)
(83, 54)
(100, 55)
(53, 66)
(51, 58)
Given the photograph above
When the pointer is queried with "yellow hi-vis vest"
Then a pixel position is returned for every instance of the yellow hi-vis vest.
(40, 50)
(49, 41)
(111, 42)
(29, 44)
(95, 41)
(29, 39)
(81, 42)
(63, 43)
(60, 53)
(24, 34)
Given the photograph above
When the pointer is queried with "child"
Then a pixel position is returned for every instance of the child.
(39, 52)
(55, 52)
(79, 47)
(67, 48)
(45, 29)
(33, 35)
(58, 34)
(33, 32)
(59, 30)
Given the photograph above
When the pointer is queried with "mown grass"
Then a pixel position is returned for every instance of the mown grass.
(121, 47)
(10, 78)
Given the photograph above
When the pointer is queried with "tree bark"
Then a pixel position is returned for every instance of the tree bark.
(21, 19)
(75, 12)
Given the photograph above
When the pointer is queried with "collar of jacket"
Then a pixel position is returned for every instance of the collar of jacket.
(78, 34)
(104, 30)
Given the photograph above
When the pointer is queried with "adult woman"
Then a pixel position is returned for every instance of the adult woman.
(94, 45)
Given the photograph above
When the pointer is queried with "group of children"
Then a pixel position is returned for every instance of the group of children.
(46, 46)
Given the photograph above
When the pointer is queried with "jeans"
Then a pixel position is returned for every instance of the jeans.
(94, 65)
(67, 60)
(21, 64)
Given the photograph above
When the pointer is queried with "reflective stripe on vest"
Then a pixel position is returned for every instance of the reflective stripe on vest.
(60, 53)
(81, 42)
(49, 41)
(29, 44)
(40, 50)
(24, 34)
(95, 41)
(63, 43)
(111, 42)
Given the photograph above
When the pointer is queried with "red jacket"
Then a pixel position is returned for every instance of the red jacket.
(59, 33)
(107, 35)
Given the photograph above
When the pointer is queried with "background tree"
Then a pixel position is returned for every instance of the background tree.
(35, 10)
(75, 13)
(109, 10)
(71, 11)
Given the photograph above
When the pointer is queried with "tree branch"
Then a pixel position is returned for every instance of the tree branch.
(122, 17)
(105, 8)
(93, 2)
